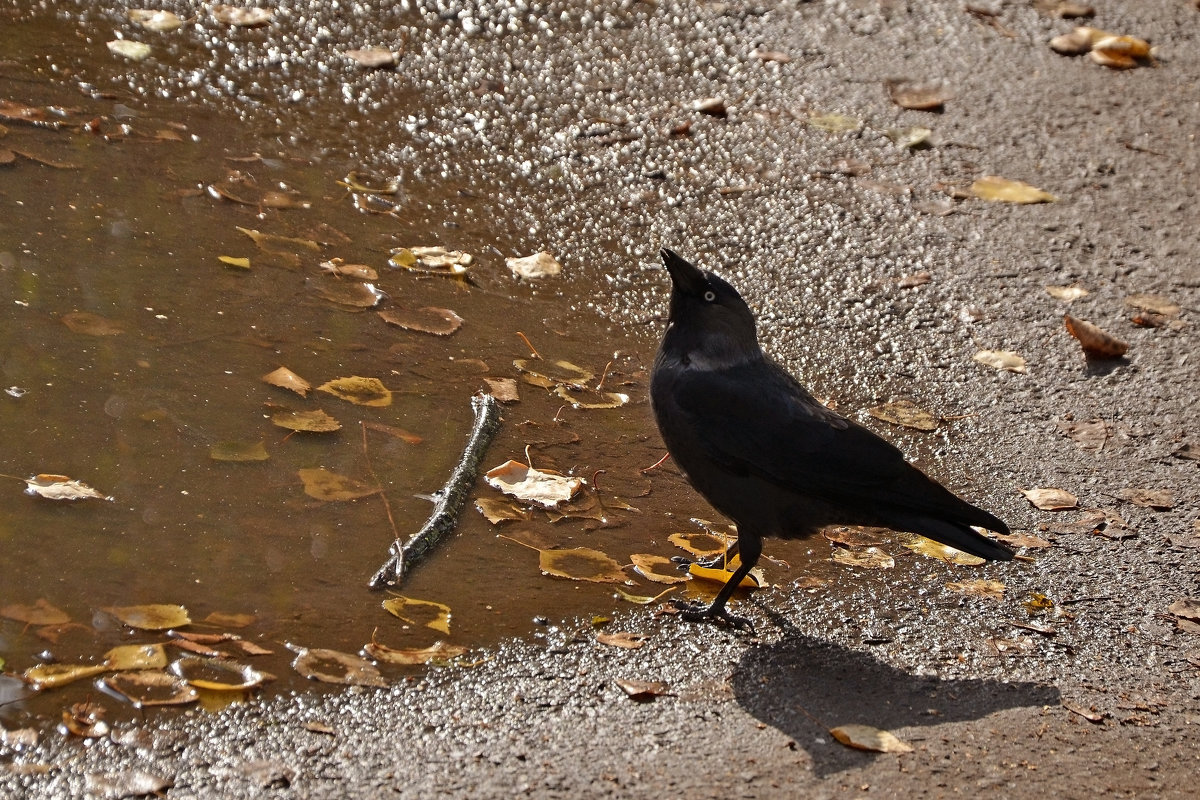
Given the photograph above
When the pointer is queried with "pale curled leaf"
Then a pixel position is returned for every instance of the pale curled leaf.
(1051, 499)
(1002, 190)
(1005, 360)
(539, 265)
(1095, 342)
(284, 378)
(61, 487)
(865, 737)
(546, 489)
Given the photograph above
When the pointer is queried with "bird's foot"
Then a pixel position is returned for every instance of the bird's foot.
(696, 612)
(712, 562)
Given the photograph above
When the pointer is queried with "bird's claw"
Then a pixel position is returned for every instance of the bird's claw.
(712, 562)
(694, 612)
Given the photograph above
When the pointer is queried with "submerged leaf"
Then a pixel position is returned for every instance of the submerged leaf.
(646, 564)
(419, 612)
(438, 651)
(40, 613)
(699, 544)
(239, 451)
(549, 374)
(358, 390)
(219, 674)
(90, 324)
(316, 421)
(152, 688)
(589, 398)
(438, 321)
(322, 484)
(333, 666)
(582, 564)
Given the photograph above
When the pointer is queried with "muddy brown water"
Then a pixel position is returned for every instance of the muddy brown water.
(107, 212)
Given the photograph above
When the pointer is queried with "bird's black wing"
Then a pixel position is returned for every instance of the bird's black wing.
(755, 419)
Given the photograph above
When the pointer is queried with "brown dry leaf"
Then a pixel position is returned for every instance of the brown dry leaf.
(539, 265)
(151, 617)
(430, 319)
(239, 451)
(542, 488)
(86, 720)
(1095, 342)
(284, 378)
(1154, 303)
(1026, 540)
(932, 549)
(90, 324)
(582, 564)
(503, 389)
(1048, 499)
(414, 656)
(1006, 360)
(316, 421)
(624, 639)
(1186, 608)
(642, 691)
(987, 589)
(40, 613)
(1090, 714)
(1067, 294)
(358, 390)
(219, 674)
(372, 57)
(1158, 499)
(868, 558)
(647, 564)
(700, 544)
(640, 599)
(222, 620)
(242, 17)
(498, 511)
(918, 97)
(1090, 434)
(358, 272)
(322, 484)
(864, 737)
(152, 688)
(429, 613)
(61, 487)
(1002, 190)
(333, 666)
(856, 536)
(906, 414)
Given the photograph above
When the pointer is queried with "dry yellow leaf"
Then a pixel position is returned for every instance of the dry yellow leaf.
(322, 484)
(868, 558)
(988, 589)
(419, 612)
(284, 378)
(358, 390)
(1003, 190)
(864, 737)
(905, 413)
(1005, 360)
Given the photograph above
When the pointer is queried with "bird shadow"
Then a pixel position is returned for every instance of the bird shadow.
(803, 687)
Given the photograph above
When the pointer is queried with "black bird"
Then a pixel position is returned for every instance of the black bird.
(767, 455)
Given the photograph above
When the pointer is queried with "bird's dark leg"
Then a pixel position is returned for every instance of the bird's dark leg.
(750, 550)
(711, 562)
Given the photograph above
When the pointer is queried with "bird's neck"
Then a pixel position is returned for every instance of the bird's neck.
(709, 349)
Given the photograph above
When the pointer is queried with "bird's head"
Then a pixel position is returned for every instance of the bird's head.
(709, 320)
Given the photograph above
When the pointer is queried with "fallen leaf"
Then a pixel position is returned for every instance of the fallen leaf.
(242, 17)
(752, 580)
(136, 656)
(40, 613)
(1154, 303)
(640, 599)
(315, 421)
(918, 97)
(700, 544)
(333, 666)
(1037, 603)
(642, 691)
(1186, 608)
(906, 414)
(437, 321)
(151, 617)
(50, 676)
(646, 565)
(429, 613)
(549, 374)
(61, 487)
(358, 272)
(86, 720)
(503, 389)
(932, 549)
(127, 48)
(589, 398)
(372, 57)
(542, 488)
(864, 737)
(438, 651)
(1048, 499)
(987, 589)
(1090, 714)
(353, 295)
(1002, 190)
(623, 639)
(126, 783)
(1095, 342)
(497, 510)
(581, 564)
(239, 451)
(408, 437)
(868, 558)
(434, 260)
(152, 688)
(1158, 499)
(1026, 540)
(241, 262)
(157, 21)
(90, 324)
(834, 123)
(856, 536)
(322, 484)
(1005, 360)
(222, 620)
(1067, 294)
(1090, 434)
(284, 378)
(539, 265)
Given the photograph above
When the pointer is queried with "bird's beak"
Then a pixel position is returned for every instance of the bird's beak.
(686, 277)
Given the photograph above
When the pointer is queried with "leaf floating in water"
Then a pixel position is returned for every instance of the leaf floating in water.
(1049, 499)
(549, 374)
(325, 485)
(1094, 341)
(61, 487)
(152, 688)
(157, 21)
(50, 676)
(647, 565)
(352, 294)
(589, 398)
(434, 260)
(91, 324)
(136, 656)
(284, 378)
(152, 617)
(419, 612)
(333, 666)
(907, 414)
(316, 421)
(408, 437)
(503, 389)
(239, 451)
(699, 544)
(279, 245)
(127, 48)
(240, 17)
(864, 737)
(932, 549)
(581, 564)
(358, 272)
(438, 321)
(219, 674)
(222, 620)
(1005, 360)
(235, 261)
(40, 613)
(987, 589)
(1003, 190)
(358, 390)
(867, 558)
(753, 580)
(546, 489)
(497, 511)
(539, 265)
(438, 651)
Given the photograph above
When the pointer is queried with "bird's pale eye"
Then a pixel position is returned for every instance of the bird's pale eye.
(710, 296)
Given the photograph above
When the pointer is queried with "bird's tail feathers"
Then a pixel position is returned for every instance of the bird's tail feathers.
(960, 537)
